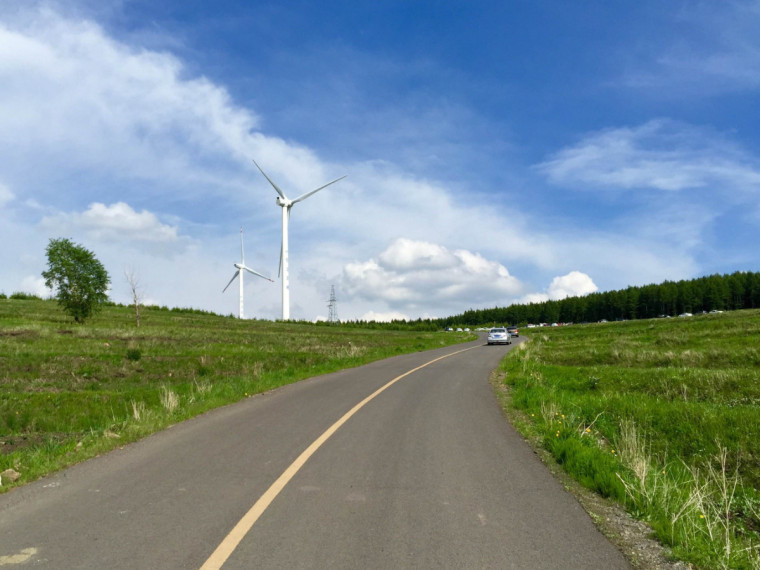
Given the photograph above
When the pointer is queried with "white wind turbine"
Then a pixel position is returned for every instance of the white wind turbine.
(286, 204)
(239, 274)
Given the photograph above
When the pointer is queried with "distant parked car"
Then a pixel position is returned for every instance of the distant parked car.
(459, 329)
(499, 335)
(685, 315)
(716, 311)
(513, 331)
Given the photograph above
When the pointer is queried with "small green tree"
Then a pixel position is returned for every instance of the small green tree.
(79, 279)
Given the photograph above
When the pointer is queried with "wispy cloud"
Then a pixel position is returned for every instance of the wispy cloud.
(660, 154)
(82, 100)
(717, 51)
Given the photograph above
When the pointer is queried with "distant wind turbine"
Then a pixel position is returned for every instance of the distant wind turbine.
(239, 274)
(286, 204)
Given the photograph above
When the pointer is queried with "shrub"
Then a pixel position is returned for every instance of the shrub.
(134, 354)
(20, 295)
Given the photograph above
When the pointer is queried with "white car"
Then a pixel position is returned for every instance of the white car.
(499, 335)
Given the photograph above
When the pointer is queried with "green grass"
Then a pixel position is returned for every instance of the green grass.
(69, 392)
(661, 415)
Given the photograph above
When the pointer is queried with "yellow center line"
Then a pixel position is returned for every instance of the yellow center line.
(236, 535)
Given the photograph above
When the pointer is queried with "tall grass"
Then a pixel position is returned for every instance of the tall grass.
(68, 392)
(661, 415)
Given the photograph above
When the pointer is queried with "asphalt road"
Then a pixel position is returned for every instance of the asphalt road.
(425, 474)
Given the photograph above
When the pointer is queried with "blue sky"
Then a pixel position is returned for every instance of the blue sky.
(496, 152)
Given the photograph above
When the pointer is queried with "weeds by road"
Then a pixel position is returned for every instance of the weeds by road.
(661, 415)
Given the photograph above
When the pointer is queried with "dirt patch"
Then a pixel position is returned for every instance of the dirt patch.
(19, 333)
(11, 443)
(634, 538)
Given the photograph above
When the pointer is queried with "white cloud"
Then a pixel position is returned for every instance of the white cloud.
(416, 275)
(660, 154)
(574, 284)
(85, 102)
(404, 255)
(117, 223)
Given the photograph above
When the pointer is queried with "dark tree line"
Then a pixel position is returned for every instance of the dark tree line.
(739, 290)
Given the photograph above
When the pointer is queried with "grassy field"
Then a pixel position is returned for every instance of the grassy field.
(662, 415)
(69, 392)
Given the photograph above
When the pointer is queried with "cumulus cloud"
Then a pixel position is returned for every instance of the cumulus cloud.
(574, 284)
(116, 223)
(660, 154)
(413, 274)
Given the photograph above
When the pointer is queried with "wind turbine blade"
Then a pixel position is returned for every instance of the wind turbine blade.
(279, 271)
(249, 270)
(277, 189)
(230, 283)
(317, 190)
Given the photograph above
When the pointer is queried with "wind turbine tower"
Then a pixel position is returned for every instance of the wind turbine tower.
(286, 204)
(239, 274)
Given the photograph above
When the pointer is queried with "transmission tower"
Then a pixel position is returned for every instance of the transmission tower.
(332, 316)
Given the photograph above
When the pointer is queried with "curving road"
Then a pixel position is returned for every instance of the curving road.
(414, 470)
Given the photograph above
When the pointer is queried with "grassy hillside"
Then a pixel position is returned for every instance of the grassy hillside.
(68, 391)
(660, 414)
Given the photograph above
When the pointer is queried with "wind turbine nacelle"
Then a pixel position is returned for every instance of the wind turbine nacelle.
(284, 203)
